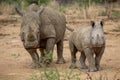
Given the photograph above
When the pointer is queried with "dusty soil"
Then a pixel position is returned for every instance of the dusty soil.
(15, 62)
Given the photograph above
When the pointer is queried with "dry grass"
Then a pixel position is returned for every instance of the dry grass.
(6, 9)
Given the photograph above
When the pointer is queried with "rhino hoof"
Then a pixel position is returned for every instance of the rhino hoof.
(92, 70)
(84, 67)
(60, 61)
(99, 68)
(35, 66)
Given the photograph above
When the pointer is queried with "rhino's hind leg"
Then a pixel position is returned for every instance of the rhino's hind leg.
(82, 61)
(73, 51)
(35, 58)
(60, 59)
(98, 58)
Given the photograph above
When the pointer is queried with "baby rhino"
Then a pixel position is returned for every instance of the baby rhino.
(90, 42)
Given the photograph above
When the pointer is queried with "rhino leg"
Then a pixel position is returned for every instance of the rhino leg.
(35, 57)
(82, 61)
(49, 49)
(98, 58)
(73, 51)
(42, 55)
(91, 59)
(60, 59)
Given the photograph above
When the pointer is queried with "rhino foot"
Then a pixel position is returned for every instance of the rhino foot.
(98, 67)
(60, 61)
(35, 66)
(92, 69)
(84, 67)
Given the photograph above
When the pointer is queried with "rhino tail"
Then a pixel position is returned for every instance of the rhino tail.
(69, 28)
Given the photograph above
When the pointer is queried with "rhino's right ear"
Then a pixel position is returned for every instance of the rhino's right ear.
(93, 23)
(18, 10)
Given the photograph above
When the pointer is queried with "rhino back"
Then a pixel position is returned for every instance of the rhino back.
(53, 24)
(81, 37)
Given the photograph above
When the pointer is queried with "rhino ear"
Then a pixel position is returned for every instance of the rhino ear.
(41, 10)
(102, 23)
(93, 23)
(18, 10)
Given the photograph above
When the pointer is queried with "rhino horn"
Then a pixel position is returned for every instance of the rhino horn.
(30, 29)
(30, 36)
(98, 38)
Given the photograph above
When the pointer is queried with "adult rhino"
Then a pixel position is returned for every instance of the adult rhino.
(42, 28)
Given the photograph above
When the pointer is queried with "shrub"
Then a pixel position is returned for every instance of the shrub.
(39, 2)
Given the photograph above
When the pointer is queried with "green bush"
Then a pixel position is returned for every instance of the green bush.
(26, 2)
(39, 2)
(62, 9)
(54, 74)
(10, 1)
(44, 1)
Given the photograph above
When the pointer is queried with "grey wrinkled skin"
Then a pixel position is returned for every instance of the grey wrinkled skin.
(90, 42)
(42, 28)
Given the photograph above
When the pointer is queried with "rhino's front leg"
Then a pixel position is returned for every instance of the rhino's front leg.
(98, 58)
(60, 59)
(49, 50)
(35, 57)
(42, 55)
(82, 61)
(91, 60)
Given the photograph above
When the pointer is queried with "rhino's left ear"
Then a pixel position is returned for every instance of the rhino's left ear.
(18, 9)
(40, 10)
(102, 23)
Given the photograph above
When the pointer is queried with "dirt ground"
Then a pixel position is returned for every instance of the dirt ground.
(15, 61)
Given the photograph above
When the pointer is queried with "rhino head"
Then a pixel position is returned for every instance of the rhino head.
(30, 28)
(97, 34)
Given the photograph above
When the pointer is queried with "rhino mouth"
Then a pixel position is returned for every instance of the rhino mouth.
(97, 49)
(31, 45)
